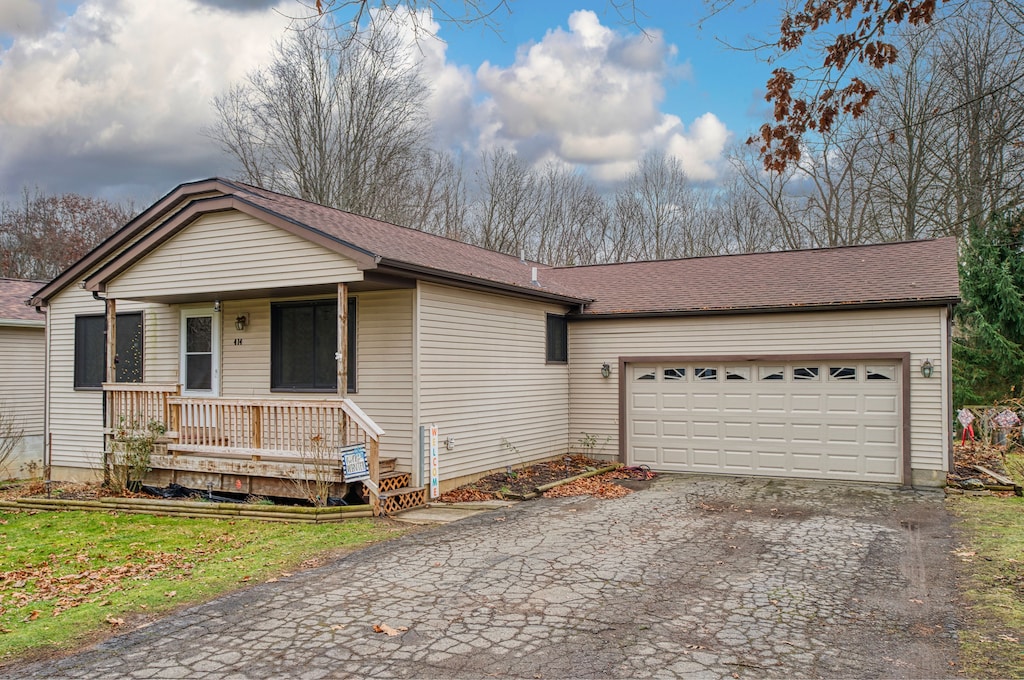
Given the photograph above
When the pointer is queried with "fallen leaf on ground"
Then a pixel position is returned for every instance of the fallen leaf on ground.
(114, 621)
(338, 626)
(388, 630)
(599, 486)
(170, 593)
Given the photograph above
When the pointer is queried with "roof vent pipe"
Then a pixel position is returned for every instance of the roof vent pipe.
(533, 276)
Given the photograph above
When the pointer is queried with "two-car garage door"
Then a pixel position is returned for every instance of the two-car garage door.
(827, 419)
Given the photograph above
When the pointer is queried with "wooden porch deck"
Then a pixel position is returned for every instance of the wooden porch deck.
(263, 447)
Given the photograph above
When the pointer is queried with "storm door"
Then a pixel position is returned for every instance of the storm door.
(200, 352)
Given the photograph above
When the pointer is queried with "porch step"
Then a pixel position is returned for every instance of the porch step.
(402, 498)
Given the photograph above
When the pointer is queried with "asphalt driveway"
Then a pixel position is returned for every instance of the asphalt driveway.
(692, 577)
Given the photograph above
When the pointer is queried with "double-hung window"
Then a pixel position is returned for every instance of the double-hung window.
(91, 350)
(304, 345)
(557, 339)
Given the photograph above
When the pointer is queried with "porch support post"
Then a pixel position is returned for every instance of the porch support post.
(111, 340)
(108, 397)
(342, 340)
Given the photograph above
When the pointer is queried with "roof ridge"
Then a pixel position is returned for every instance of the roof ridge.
(319, 206)
(819, 249)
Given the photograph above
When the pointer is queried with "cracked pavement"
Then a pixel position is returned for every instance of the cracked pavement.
(696, 577)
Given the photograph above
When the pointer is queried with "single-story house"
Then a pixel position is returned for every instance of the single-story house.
(22, 367)
(245, 317)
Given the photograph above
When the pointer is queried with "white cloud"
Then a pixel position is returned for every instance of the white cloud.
(27, 17)
(591, 96)
(450, 104)
(111, 99)
(119, 91)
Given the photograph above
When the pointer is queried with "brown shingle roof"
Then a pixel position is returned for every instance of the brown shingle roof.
(13, 293)
(917, 272)
(404, 246)
(911, 272)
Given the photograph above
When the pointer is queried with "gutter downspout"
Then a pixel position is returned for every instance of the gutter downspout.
(949, 386)
(47, 435)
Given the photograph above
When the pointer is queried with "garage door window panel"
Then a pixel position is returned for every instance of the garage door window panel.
(842, 373)
(880, 372)
(674, 374)
(768, 373)
(806, 373)
(705, 374)
(646, 374)
(738, 373)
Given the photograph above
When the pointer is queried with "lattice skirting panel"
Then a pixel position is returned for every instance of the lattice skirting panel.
(414, 498)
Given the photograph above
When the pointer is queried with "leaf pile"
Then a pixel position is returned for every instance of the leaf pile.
(525, 480)
(599, 486)
(466, 494)
(990, 456)
(43, 583)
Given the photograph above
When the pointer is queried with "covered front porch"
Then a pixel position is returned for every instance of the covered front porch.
(261, 447)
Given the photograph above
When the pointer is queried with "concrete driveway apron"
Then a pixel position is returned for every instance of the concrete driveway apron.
(692, 577)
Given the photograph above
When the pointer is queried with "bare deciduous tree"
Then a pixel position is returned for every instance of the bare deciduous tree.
(573, 222)
(652, 210)
(510, 201)
(333, 121)
(43, 234)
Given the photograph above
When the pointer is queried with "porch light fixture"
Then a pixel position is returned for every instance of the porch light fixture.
(241, 322)
(927, 368)
(606, 370)
(216, 305)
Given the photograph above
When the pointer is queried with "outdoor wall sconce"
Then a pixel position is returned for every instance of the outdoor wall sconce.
(606, 370)
(216, 305)
(241, 322)
(927, 368)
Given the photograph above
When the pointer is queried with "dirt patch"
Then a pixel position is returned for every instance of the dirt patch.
(518, 482)
(522, 482)
(68, 491)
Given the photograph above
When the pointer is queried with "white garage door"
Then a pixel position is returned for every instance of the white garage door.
(817, 419)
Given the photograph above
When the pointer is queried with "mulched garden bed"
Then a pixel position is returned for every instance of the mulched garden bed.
(524, 482)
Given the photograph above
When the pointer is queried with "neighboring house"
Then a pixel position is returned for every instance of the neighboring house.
(794, 364)
(22, 373)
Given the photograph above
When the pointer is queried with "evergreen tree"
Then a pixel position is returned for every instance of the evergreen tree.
(988, 343)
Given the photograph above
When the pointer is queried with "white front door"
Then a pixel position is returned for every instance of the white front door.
(200, 352)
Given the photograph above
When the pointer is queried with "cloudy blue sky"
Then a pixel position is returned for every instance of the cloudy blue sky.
(110, 97)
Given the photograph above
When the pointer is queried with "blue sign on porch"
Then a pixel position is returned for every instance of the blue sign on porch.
(354, 464)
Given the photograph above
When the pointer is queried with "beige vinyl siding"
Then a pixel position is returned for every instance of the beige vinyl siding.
(230, 251)
(76, 416)
(484, 380)
(920, 331)
(22, 369)
(383, 356)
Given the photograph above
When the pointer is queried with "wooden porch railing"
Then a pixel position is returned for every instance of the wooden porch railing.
(134, 405)
(251, 427)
